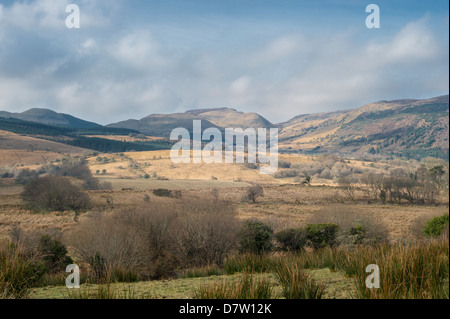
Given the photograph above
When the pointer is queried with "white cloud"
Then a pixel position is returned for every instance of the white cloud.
(138, 49)
(413, 43)
(87, 47)
(240, 86)
(40, 13)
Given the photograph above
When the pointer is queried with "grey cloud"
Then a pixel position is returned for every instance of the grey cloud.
(107, 74)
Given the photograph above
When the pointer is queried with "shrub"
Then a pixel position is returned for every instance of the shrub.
(162, 192)
(287, 173)
(322, 235)
(284, 164)
(93, 184)
(73, 167)
(206, 232)
(25, 176)
(131, 239)
(253, 192)
(255, 237)
(436, 226)
(54, 254)
(7, 175)
(292, 239)
(53, 193)
(156, 240)
(355, 227)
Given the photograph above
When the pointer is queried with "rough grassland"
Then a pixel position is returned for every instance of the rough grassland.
(337, 287)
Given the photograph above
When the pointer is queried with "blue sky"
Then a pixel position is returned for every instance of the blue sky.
(279, 58)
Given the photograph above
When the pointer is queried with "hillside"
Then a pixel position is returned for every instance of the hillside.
(410, 128)
(162, 124)
(88, 138)
(27, 150)
(50, 117)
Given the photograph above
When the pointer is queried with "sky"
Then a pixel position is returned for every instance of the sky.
(278, 58)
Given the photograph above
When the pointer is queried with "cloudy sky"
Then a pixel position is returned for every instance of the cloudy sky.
(279, 58)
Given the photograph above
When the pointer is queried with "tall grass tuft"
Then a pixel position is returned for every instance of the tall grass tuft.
(197, 272)
(296, 284)
(17, 275)
(247, 287)
(416, 271)
(250, 263)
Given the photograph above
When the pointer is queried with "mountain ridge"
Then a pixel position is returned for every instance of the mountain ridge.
(50, 117)
(402, 127)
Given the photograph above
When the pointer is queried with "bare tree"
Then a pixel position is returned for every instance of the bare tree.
(348, 186)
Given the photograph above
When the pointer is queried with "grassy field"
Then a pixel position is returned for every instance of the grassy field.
(338, 286)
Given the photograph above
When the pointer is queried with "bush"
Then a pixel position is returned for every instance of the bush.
(73, 167)
(92, 184)
(25, 176)
(287, 173)
(322, 235)
(7, 175)
(292, 239)
(253, 192)
(156, 240)
(54, 254)
(284, 164)
(436, 226)
(162, 192)
(53, 193)
(206, 232)
(355, 227)
(255, 237)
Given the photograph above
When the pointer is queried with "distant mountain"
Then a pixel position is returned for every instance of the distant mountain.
(50, 117)
(228, 117)
(163, 124)
(410, 128)
(221, 118)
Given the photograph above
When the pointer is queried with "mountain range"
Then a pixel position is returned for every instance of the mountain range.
(409, 128)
